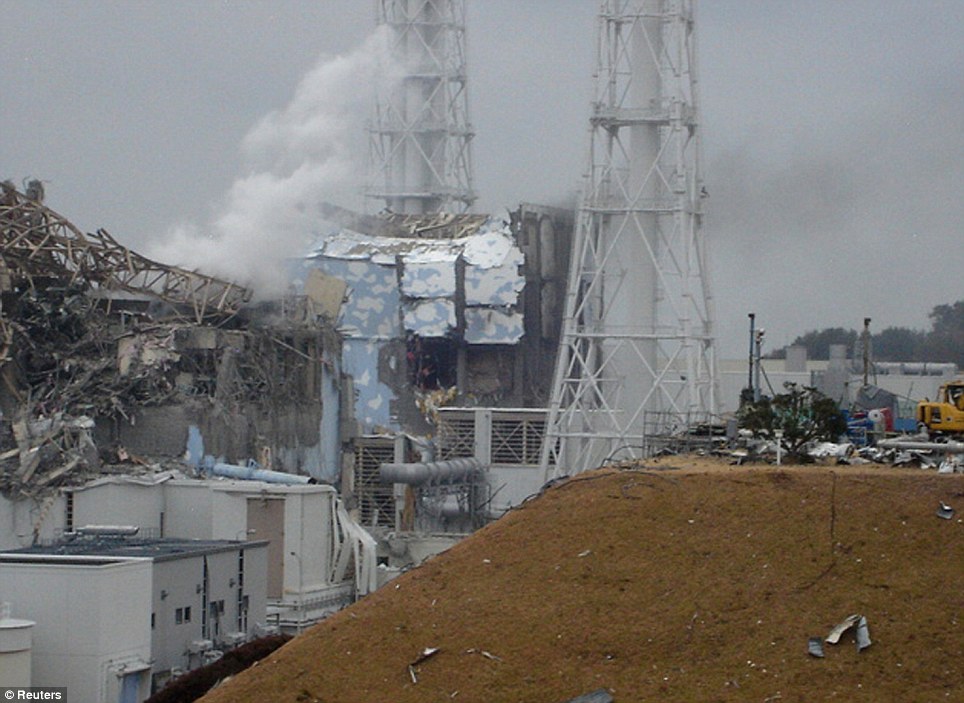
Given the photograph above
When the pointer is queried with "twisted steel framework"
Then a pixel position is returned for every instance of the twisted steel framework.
(36, 242)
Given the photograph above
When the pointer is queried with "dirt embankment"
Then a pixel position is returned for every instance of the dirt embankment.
(702, 583)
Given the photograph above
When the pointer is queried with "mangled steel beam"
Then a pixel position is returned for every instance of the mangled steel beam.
(36, 242)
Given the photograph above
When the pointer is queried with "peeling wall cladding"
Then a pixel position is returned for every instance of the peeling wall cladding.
(373, 398)
(406, 285)
(430, 318)
(293, 435)
(428, 279)
(496, 286)
(488, 326)
(370, 310)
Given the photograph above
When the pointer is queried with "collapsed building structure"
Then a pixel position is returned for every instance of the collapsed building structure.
(116, 364)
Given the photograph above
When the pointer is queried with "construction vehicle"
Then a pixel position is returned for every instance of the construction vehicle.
(946, 414)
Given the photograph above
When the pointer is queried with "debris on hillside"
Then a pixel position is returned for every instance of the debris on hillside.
(695, 584)
(861, 631)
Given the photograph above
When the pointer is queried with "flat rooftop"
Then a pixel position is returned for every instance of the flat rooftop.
(125, 547)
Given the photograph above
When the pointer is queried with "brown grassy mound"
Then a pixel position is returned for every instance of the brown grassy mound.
(663, 586)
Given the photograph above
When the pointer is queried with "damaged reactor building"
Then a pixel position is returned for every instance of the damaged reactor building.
(393, 401)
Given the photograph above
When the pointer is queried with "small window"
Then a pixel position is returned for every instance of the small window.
(153, 620)
(179, 616)
(187, 614)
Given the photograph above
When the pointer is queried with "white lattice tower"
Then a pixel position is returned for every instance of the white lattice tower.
(637, 347)
(420, 136)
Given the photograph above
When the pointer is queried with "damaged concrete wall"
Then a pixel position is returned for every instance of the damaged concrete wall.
(110, 358)
(84, 387)
(545, 236)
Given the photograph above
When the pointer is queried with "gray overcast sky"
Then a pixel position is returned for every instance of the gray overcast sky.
(832, 130)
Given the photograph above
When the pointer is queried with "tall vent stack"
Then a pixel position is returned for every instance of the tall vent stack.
(420, 136)
(636, 356)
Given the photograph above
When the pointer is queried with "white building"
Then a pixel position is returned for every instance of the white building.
(117, 615)
(318, 560)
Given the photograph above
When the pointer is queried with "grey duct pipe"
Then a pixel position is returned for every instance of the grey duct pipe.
(943, 447)
(415, 474)
(250, 473)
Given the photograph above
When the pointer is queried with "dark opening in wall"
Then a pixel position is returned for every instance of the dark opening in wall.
(432, 362)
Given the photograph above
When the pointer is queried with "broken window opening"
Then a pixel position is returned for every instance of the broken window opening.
(432, 362)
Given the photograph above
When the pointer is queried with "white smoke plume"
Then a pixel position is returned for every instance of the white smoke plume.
(297, 158)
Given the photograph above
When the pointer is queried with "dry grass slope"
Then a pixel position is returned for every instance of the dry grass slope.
(686, 585)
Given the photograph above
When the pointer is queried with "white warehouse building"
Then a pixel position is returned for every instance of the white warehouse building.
(118, 615)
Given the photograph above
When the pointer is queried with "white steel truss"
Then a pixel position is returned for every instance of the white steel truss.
(420, 136)
(637, 338)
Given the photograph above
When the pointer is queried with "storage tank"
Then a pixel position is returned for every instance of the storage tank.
(16, 641)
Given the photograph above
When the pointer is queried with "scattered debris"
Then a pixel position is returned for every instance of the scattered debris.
(952, 463)
(822, 450)
(93, 334)
(487, 655)
(815, 647)
(426, 653)
(598, 696)
(521, 608)
(862, 633)
(841, 627)
(945, 511)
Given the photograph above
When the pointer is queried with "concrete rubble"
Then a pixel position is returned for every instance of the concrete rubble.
(109, 361)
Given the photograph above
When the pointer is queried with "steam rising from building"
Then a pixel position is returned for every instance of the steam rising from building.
(297, 157)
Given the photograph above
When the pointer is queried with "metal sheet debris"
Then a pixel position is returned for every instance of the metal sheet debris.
(841, 627)
(862, 633)
(600, 695)
(815, 647)
(426, 653)
(945, 512)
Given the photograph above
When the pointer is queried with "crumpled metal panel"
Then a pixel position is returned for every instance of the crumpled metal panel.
(430, 318)
(488, 326)
(430, 279)
(349, 245)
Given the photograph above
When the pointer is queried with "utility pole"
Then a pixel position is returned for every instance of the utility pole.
(420, 137)
(638, 338)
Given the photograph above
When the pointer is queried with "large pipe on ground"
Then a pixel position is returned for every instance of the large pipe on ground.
(943, 447)
(416, 474)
